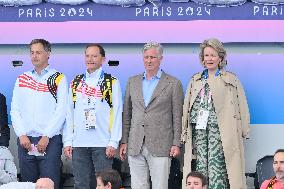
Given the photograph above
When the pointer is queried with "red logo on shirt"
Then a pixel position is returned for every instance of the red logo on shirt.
(26, 81)
(88, 90)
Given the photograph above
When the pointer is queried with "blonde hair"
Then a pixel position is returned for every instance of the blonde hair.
(217, 46)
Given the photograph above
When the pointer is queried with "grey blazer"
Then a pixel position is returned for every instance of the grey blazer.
(158, 124)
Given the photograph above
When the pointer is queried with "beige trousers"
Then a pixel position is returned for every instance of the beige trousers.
(144, 165)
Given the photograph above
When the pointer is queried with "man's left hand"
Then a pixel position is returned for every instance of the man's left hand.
(42, 144)
(175, 151)
(110, 152)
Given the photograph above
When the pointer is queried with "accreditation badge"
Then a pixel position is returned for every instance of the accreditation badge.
(202, 119)
(90, 118)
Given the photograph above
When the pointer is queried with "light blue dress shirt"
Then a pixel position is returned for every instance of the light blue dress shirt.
(149, 85)
(42, 73)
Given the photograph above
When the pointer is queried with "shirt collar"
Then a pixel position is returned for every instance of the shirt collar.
(94, 74)
(200, 75)
(157, 76)
(205, 73)
(44, 71)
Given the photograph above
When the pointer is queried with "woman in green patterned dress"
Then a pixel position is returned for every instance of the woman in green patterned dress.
(215, 121)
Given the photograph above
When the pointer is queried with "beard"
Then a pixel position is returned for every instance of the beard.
(279, 175)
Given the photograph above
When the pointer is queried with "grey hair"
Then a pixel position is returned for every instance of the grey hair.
(217, 46)
(154, 45)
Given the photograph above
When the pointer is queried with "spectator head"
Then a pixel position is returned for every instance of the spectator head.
(196, 180)
(44, 183)
(278, 164)
(108, 179)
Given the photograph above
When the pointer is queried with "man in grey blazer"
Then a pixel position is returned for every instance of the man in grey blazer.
(152, 116)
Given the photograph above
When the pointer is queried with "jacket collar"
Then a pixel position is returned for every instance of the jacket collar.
(162, 84)
(226, 76)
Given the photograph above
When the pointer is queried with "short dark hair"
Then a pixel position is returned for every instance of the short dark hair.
(197, 175)
(279, 151)
(101, 49)
(46, 45)
(110, 175)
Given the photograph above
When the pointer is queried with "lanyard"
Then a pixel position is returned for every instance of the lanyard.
(202, 94)
(101, 78)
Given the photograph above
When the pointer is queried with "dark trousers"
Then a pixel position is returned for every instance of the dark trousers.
(47, 166)
(84, 159)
